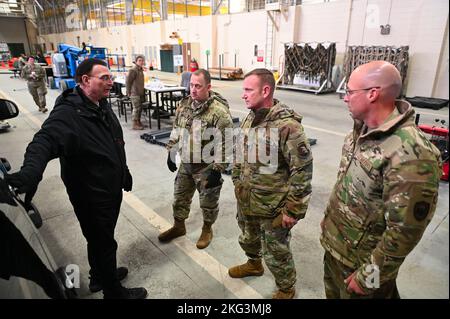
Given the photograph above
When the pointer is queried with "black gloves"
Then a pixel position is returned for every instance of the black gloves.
(213, 179)
(22, 184)
(170, 164)
(19, 181)
(128, 182)
(5, 194)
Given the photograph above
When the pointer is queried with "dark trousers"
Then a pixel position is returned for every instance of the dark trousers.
(98, 222)
(17, 258)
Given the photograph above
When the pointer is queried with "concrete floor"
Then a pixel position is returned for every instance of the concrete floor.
(178, 269)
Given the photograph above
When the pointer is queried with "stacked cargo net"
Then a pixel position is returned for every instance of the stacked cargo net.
(312, 61)
(358, 55)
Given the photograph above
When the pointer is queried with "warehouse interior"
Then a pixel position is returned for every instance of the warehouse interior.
(229, 38)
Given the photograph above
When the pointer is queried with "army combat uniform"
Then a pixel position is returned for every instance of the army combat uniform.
(262, 197)
(213, 113)
(36, 84)
(384, 198)
(135, 89)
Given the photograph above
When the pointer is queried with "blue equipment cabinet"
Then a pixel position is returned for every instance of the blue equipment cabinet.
(66, 61)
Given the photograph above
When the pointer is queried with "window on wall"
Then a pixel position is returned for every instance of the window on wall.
(315, 1)
(193, 8)
(12, 7)
(110, 13)
(151, 11)
(176, 9)
(236, 6)
(222, 6)
(91, 16)
(138, 12)
(205, 7)
(116, 12)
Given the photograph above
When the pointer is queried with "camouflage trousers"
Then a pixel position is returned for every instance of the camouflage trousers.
(137, 101)
(38, 90)
(259, 237)
(191, 177)
(334, 275)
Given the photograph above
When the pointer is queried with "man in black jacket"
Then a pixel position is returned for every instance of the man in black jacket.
(83, 132)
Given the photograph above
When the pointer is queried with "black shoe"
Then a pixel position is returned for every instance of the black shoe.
(95, 286)
(126, 293)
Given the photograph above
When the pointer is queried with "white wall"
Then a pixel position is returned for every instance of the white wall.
(420, 24)
(288, 32)
(442, 83)
(195, 30)
(239, 33)
(324, 22)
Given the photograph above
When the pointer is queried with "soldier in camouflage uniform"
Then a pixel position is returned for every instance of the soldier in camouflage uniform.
(203, 109)
(386, 190)
(35, 76)
(271, 202)
(135, 90)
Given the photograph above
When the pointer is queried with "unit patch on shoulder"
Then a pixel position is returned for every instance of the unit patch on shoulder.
(421, 210)
(303, 150)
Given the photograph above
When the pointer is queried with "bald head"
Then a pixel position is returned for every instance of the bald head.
(382, 74)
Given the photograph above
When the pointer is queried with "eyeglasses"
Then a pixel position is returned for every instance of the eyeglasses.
(105, 78)
(350, 92)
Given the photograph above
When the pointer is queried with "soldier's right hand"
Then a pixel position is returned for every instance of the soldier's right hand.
(171, 164)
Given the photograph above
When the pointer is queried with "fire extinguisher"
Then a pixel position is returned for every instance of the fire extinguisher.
(193, 66)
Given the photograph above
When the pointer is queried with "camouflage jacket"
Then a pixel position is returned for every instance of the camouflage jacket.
(38, 70)
(135, 81)
(267, 189)
(384, 197)
(212, 114)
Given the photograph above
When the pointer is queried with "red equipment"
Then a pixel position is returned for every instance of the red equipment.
(193, 66)
(11, 62)
(440, 138)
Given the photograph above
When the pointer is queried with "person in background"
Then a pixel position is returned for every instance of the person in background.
(35, 76)
(135, 90)
(40, 58)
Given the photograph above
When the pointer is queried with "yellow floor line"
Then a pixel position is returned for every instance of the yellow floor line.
(23, 110)
(216, 270)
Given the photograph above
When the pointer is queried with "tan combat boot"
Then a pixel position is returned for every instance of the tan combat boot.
(253, 267)
(140, 123)
(284, 294)
(137, 125)
(206, 236)
(178, 229)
